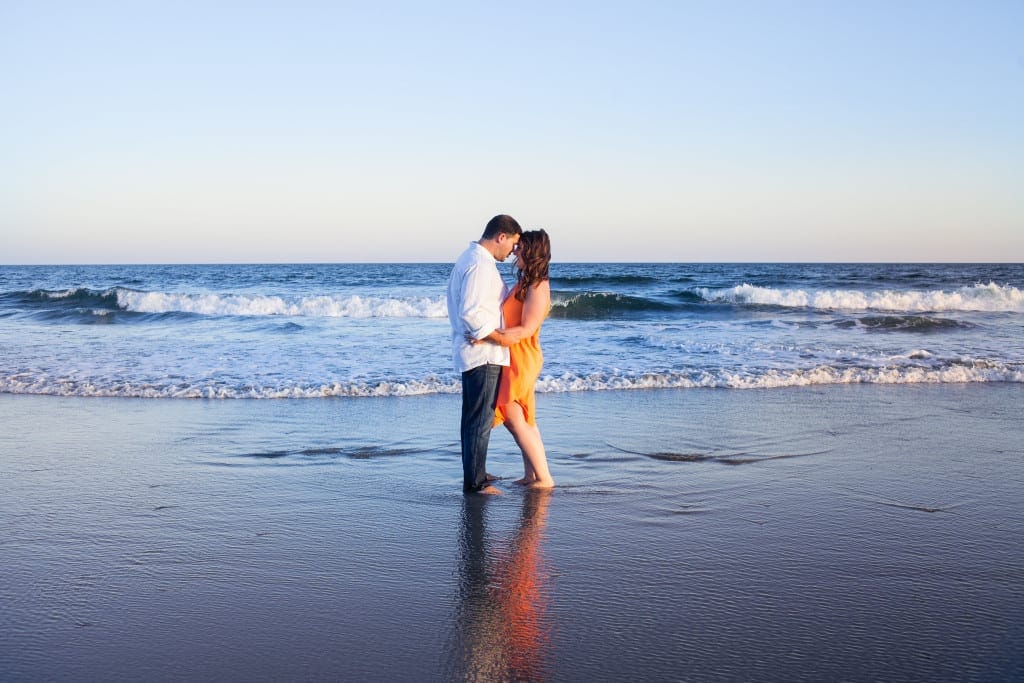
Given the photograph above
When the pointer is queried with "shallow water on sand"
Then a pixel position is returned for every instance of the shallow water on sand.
(854, 532)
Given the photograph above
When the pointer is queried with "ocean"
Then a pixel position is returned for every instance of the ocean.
(347, 330)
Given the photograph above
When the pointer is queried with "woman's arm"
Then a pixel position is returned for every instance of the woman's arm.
(535, 309)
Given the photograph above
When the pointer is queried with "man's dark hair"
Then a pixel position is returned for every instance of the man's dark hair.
(501, 225)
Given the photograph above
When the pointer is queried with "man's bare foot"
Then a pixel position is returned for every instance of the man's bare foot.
(490, 477)
(490, 491)
(543, 484)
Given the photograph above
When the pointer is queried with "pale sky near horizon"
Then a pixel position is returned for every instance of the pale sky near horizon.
(679, 131)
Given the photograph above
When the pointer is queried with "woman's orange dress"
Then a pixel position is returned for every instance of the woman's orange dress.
(518, 379)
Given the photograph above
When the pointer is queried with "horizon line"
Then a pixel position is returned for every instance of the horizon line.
(438, 263)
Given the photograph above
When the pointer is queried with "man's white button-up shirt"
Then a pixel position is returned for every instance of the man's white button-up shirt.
(475, 293)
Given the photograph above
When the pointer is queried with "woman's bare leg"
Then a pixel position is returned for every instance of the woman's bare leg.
(527, 437)
(515, 423)
(529, 475)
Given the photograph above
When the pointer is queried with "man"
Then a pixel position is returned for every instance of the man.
(475, 293)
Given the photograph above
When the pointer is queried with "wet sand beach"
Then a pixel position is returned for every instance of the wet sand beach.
(822, 533)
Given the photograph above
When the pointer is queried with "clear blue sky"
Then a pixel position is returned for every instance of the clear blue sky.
(182, 131)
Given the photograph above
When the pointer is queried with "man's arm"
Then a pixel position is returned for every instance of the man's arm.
(479, 314)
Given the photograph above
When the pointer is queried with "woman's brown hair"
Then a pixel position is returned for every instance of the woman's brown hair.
(532, 261)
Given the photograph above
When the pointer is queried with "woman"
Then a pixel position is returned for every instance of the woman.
(524, 310)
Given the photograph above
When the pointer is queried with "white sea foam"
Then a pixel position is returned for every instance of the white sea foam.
(775, 379)
(259, 305)
(64, 294)
(965, 371)
(23, 384)
(991, 297)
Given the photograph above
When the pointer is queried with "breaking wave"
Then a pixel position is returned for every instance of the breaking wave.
(91, 305)
(990, 298)
(73, 303)
(260, 305)
(597, 305)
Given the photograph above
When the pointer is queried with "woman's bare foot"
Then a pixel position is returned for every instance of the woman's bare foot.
(524, 481)
(543, 484)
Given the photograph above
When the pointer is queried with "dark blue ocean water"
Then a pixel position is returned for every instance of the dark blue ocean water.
(282, 331)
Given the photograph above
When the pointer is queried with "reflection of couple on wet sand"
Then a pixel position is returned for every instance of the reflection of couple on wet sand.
(496, 347)
(501, 627)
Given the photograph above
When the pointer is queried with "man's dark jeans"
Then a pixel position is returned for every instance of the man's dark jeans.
(479, 392)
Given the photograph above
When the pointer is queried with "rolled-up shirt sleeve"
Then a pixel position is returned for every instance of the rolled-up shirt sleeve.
(480, 312)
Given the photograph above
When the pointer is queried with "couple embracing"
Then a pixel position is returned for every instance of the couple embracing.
(495, 344)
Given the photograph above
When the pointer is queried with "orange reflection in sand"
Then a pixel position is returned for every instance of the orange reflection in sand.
(501, 626)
